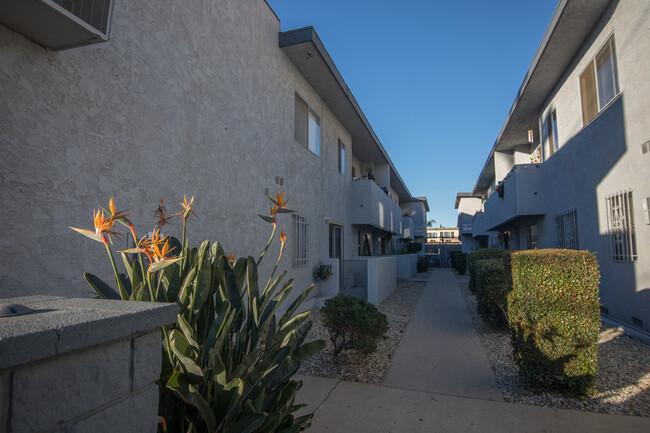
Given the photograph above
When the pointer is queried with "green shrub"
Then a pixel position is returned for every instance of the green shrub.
(480, 254)
(492, 288)
(227, 363)
(461, 263)
(553, 311)
(423, 264)
(353, 324)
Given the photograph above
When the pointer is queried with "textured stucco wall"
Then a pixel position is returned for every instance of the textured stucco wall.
(604, 157)
(186, 98)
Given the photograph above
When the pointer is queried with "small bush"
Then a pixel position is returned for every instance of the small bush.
(461, 263)
(353, 324)
(553, 311)
(492, 288)
(423, 264)
(480, 254)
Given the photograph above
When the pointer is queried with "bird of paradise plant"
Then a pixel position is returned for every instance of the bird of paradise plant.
(228, 362)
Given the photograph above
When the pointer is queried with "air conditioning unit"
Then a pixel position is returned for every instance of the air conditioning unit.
(59, 24)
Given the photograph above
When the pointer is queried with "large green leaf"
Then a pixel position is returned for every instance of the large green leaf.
(294, 306)
(171, 282)
(203, 281)
(246, 364)
(306, 351)
(248, 424)
(181, 348)
(179, 384)
(162, 264)
(188, 333)
(100, 287)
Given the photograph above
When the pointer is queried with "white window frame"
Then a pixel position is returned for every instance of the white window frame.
(300, 232)
(312, 135)
(341, 153)
(610, 43)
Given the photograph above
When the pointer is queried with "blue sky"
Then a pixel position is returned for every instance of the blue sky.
(434, 78)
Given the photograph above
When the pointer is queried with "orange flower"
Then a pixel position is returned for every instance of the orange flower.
(153, 247)
(231, 258)
(187, 209)
(102, 231)
(279, 200)
(161, 214)
(283, 241)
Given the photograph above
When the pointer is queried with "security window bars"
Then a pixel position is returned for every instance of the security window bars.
(566, 230)
(599, 82)
(620, 226)
(300, 232)
(306, 127)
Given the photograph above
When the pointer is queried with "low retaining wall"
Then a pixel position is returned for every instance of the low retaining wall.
(406, 265)
(382, 278)
(81, 365)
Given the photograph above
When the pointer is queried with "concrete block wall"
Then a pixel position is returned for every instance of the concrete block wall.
(81, 365)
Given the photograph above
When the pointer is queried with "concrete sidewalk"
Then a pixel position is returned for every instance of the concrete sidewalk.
(440, 381)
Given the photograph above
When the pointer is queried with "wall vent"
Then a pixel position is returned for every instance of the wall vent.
(59, 24)
(637, 322)
(604, 310)
(645, 147)
(279, 180)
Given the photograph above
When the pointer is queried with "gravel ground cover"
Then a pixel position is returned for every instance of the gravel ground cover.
(621, 386)
(351, 366)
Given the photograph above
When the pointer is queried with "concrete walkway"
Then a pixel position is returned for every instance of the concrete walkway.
(440, 381)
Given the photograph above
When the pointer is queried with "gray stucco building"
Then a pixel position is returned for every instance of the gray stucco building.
(571, 165)
(204, 98)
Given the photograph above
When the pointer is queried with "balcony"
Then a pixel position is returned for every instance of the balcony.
(522, 196)
(370, 206)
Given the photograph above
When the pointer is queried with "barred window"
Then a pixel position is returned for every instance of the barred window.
(566, 230)
(300, 232)
(620, 227)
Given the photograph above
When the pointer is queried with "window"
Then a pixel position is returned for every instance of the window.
(551, 125)
(599, 82)
(306, 128)
(620, 227)
(336, 236)
(566, 230)
(341, 157)
(300, 232)
(531, 236)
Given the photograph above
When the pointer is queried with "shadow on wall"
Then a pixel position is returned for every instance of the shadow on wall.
(579, 176)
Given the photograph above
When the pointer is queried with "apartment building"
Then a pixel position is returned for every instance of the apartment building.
(571, 165)
(448, 235)
(150, 99)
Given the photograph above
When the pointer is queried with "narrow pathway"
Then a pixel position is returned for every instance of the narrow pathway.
(440, 350)
(440, 381)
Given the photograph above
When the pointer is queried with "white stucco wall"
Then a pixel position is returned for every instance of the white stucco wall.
(186, 98)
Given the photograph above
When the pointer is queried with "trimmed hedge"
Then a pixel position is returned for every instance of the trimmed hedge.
(460, 263)
(480, 254)
(492, 287)
(553, 311)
